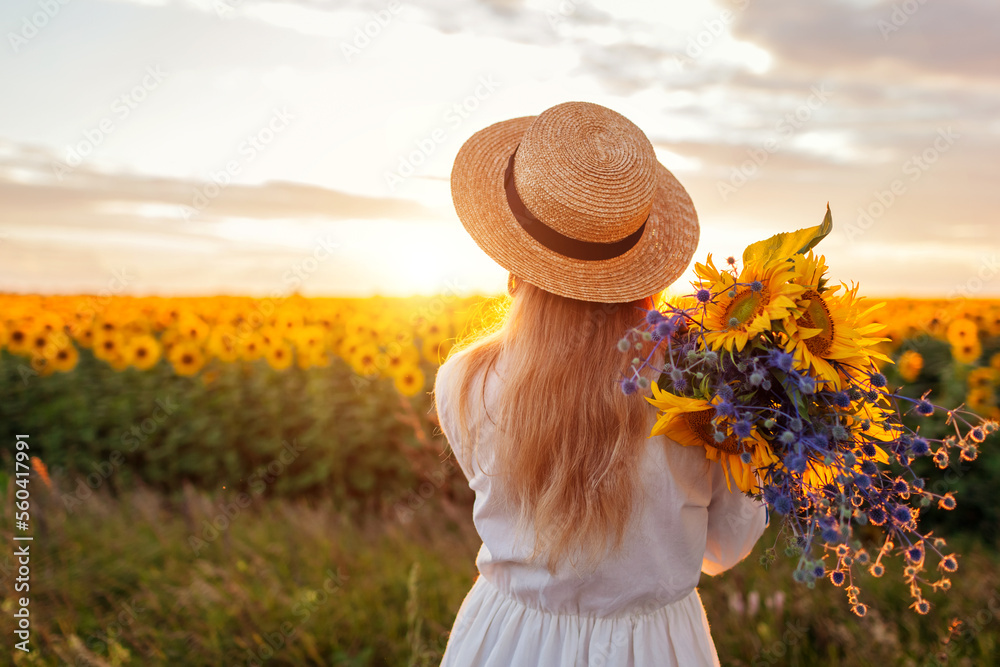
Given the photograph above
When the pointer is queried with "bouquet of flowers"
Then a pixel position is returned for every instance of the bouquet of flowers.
(774, 372)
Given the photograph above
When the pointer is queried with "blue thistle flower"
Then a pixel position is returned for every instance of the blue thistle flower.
(796, 462)
(914, 554)
(920, 447)
(831, 535)
(902, 514)
(949, 564)
(877, 380)
(781, 360)
(869, 468)
(842, 399)
(868, 449)
(704, 296)
(629, 386)
(664, 328)
(725, 392)
(900, 486)
(653, 316)
(756, 286)
(782, 504)
(925, 408)
(725, 409)
(746, 458)
(877, 516)
(837, 577)
(742, 429)
(819, 570)
(977, 434)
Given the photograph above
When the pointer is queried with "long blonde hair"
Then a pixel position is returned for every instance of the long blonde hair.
(568, 440)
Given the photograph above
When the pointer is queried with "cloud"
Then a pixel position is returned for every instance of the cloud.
(31, 189)
(955, 38)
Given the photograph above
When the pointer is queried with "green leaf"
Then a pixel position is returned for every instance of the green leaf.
(786, 244)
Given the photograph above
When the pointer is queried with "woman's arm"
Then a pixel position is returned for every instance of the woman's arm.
(443, 392)
(735, 523)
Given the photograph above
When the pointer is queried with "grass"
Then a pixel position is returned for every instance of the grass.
(122, 581)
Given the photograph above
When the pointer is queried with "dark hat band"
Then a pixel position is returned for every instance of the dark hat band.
(555, 241)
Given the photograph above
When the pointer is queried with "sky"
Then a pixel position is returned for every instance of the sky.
(259, 147)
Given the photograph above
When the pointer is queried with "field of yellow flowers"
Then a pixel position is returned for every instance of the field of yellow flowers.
(151, 417)
(382, 337)
(377, 337)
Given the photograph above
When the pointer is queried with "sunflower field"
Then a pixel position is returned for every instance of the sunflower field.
(208, 389)
(149, 416)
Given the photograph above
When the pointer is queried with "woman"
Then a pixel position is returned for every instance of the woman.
(594, 534)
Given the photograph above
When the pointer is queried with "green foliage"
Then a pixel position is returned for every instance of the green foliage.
(242, 427)
(115, 582)
(972, 482)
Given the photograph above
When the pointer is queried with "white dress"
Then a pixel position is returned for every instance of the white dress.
(640, 609)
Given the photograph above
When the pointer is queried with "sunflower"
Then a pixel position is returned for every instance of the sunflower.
(745, 306)
(962, 330)
(410, 381)
(143, 351)
(65, 359)
(364, 359)
(400, 358)
(19, 338)
(41, 365)
(222, 344)
(187, 358)
(689, 422)
(309, 338)
(192, 328)
(279, 356)
(39, 341)
(271, 337)
(968, 351)
(288, 320)
(107, 344)
(910, 364)
(830, 327)
(252, 347)
(982, 378)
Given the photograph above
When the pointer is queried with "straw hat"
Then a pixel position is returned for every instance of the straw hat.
(574, 201)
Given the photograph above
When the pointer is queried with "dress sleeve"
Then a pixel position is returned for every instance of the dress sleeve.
(735, 523)
(443, 392)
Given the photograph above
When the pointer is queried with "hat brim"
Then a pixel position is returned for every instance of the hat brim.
(661, 255)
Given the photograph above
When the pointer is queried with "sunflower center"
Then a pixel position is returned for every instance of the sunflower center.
(817, 316)
(746, 305)
(701, 423)
(187, 359)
